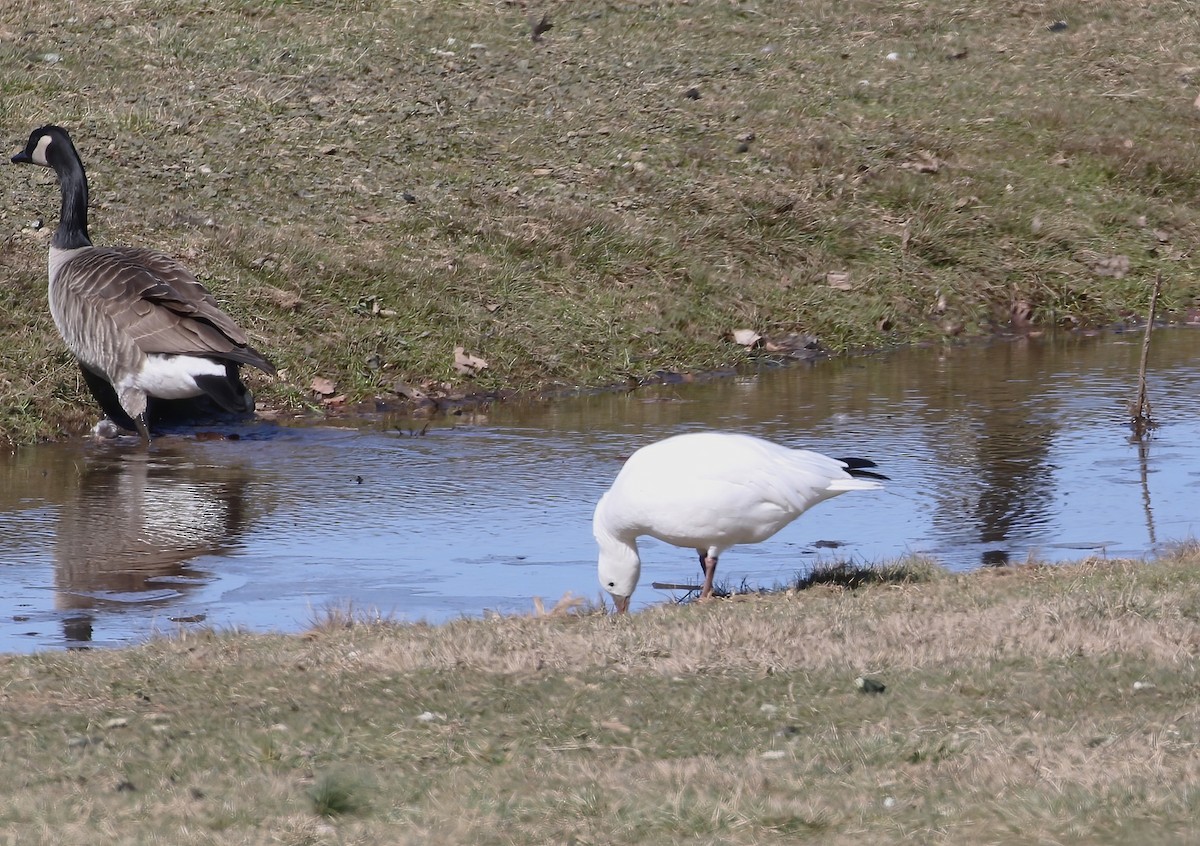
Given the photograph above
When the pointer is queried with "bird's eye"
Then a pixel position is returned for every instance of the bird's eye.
(612, 584)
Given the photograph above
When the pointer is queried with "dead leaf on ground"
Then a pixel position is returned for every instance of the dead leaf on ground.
(615, 725)
(466, 363)
(924, 162)
(746, 337)
(839, 280)
(538, 28)
(332, 401)
(323, 386)
(408, 391)
(284, 299)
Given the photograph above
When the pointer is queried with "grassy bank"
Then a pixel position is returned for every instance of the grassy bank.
(369, 185)
(1033, 705)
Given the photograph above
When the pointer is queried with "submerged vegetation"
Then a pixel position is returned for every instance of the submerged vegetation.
(644, 187)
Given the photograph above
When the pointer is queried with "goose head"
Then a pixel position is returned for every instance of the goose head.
(48, 146)
(619, 565)
(619, 570)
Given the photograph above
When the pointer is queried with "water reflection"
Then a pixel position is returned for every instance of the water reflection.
(1000, 452)
(130, 528)
(113, 532)
(996, 454)
(1004, 427)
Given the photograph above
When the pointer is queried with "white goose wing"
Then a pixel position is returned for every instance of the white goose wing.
(720, 489)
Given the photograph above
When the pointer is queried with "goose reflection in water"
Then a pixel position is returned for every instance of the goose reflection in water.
(133, 526)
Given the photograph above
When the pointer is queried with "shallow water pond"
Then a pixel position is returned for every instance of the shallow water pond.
(997, 453)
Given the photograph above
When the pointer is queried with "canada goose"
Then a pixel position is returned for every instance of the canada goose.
(140, 324)
(709, 491)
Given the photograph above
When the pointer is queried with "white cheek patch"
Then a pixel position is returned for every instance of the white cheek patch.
(39, 152)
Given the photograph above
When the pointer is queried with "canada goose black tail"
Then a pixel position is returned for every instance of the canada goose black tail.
(856, 467)
(227, 391)
(248, 355)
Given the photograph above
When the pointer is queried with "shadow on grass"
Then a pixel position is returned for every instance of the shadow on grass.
(853, 575)
(850, 575)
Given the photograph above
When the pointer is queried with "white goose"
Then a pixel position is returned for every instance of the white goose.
(709, 491)
(139, 323)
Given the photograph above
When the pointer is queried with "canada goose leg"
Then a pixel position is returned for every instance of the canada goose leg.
(106, 396)
(709, 563)
(143, 430)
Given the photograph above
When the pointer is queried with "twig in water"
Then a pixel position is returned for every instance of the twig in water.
(1142, 422)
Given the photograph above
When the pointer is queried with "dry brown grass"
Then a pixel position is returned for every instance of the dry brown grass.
(1038, 704)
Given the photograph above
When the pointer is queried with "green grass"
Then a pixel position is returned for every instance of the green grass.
(579, 219)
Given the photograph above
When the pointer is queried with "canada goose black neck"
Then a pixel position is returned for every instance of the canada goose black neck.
(51, 146)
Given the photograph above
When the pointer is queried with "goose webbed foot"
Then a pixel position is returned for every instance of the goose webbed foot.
(106, 429)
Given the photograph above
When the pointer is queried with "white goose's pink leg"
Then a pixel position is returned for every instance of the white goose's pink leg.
(709, 563)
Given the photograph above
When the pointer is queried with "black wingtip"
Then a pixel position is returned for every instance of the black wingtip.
(856, 467)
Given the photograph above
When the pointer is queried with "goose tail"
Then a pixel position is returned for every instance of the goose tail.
(861, 476)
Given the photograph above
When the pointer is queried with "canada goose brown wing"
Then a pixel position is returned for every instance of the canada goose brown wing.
(158, 304)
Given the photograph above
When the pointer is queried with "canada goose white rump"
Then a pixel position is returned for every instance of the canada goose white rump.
(172, 376)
